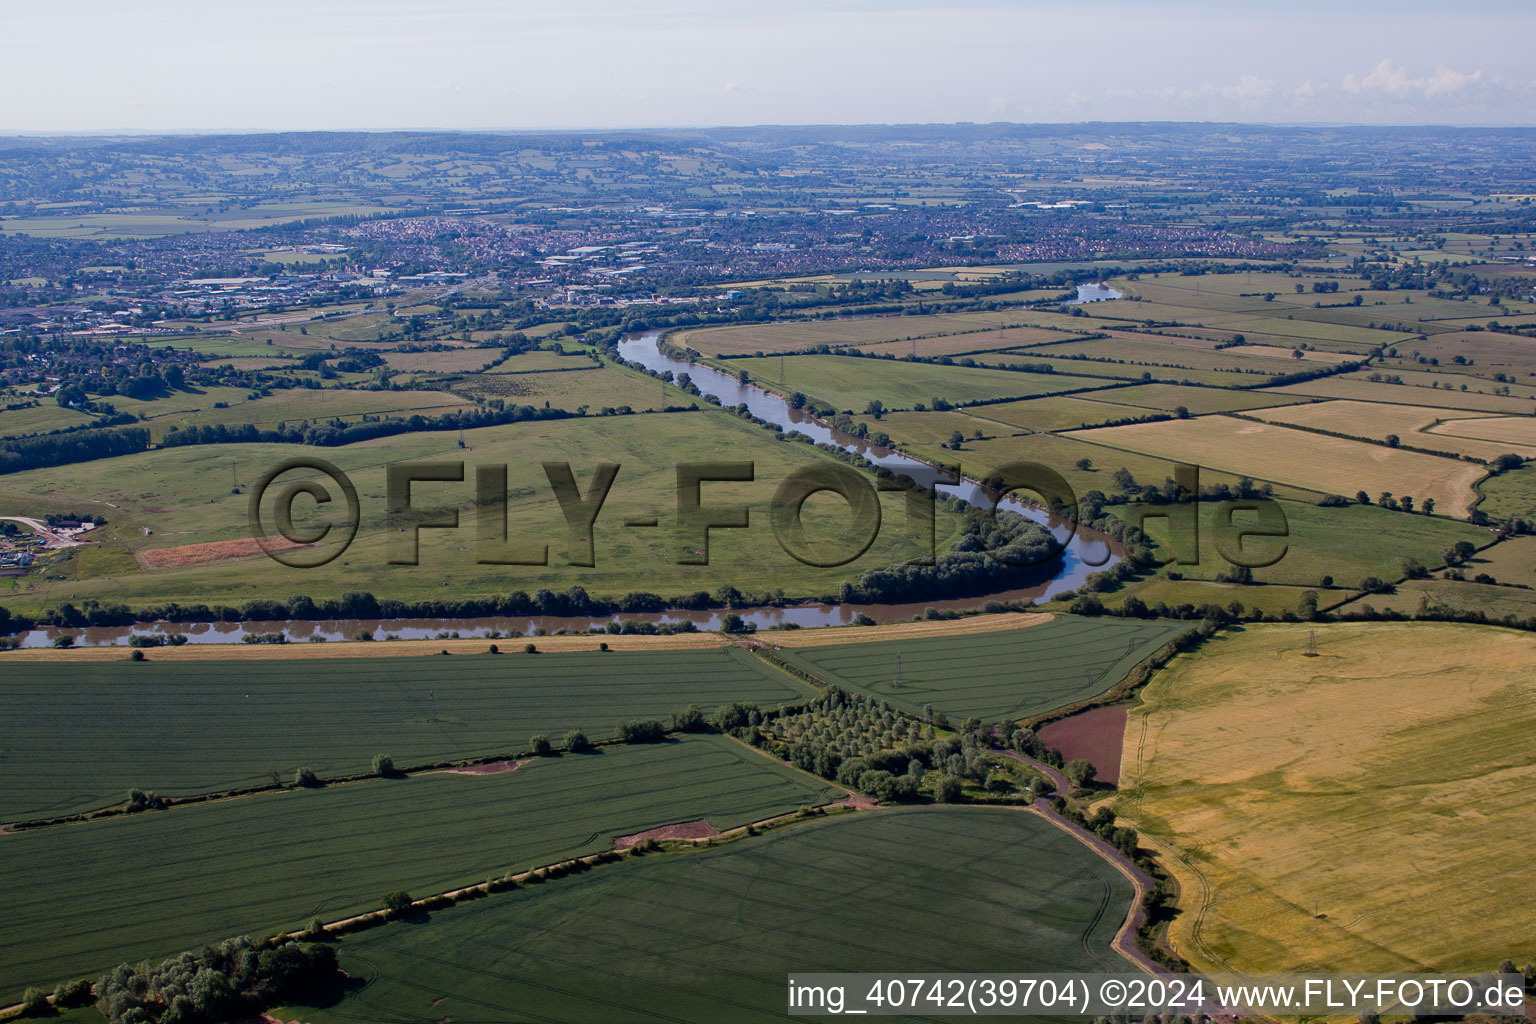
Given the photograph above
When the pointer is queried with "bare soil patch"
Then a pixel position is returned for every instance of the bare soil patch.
(493, 768)
(696, 829)
(904, 630)
(1097, 735)
(211, 551)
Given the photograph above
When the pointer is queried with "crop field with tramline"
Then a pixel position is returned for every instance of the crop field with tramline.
(718, 931)
(993, 676)
(565, 576)
(151, 884)
(227, 725)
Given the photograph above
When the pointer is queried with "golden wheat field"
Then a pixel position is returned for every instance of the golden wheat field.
(1332, 465)
(1419, 426)
(1363, 807)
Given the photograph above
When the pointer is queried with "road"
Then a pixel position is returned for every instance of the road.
(52, 538)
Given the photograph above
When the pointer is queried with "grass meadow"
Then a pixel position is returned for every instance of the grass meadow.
(183, 496)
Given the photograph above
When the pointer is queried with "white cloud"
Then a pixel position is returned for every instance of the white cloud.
(1390, 80)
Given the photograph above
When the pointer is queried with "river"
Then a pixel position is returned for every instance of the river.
(1086, 550)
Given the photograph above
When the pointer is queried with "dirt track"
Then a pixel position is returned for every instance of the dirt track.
(903, 630)
(374, 649)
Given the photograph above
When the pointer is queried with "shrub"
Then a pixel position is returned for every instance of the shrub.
(948, 790)
(397, 902)
(34, 1003)
(530, 649)
(645, 731)
(384, 766)
(72, 993)
(539, 746)
(136, 656)
(306, 777)
(1080, 772)
(576, 742)
(691, 719)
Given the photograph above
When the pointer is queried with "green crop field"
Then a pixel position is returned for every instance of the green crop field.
(78, 728)
(993, 676)
(1168, 397)
(81, 898)
(799, 336)
(711, 935)
(848, 382)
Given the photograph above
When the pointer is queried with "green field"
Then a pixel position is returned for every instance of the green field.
(82, 898)
(993, 676)
(1346, 543)
(183, 496)
(849, 383)
(711, 935)
(1168, 397)
(586, 386)
(38, 419)
(220, 725)
(295, 406)
(1509, 494)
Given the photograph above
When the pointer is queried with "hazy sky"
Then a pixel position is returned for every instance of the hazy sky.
(281, 64)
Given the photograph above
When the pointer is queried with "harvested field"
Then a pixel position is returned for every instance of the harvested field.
(1097, 736)
(212, 551)
(1358, 386)
(974, 341)
(698, 828)
(1488, 352)
(368, 649)
(1282, 789)
(1141, 350)
(454, 360)
(1418, 426)
(968, 626)
(1314, 461)
(1507, 433)
(1062, 412)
